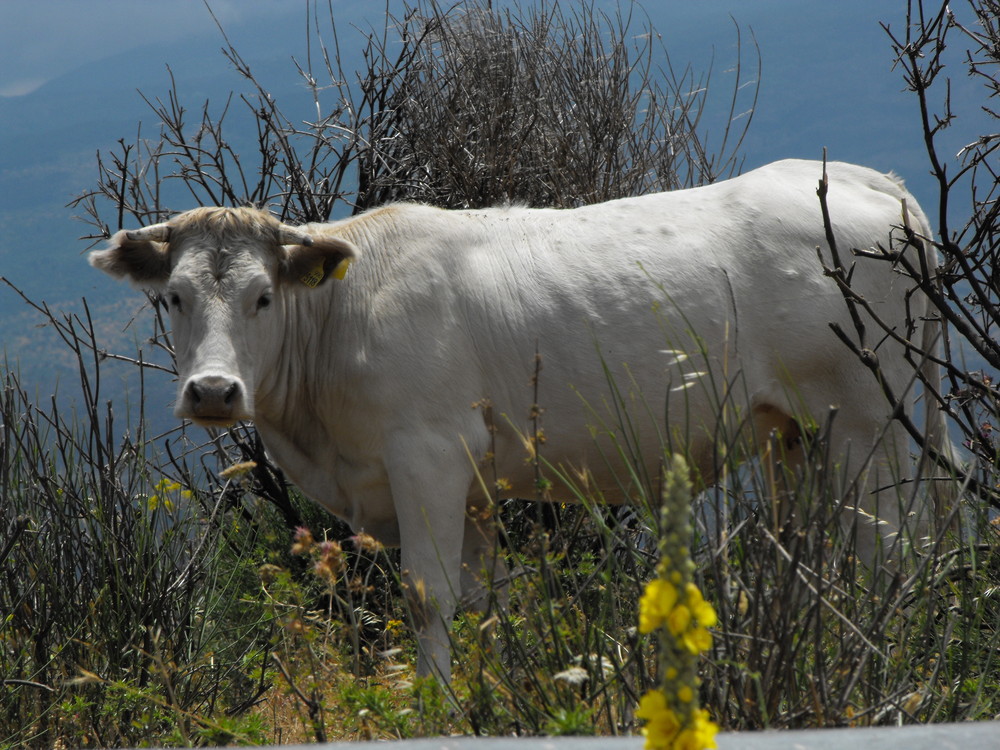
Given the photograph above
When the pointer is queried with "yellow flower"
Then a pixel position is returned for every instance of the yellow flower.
(685, 694)
(696, 640)
(687, 740)
(656, 604)
(652, 703)
(155, 501)
(663, 729)
(703, 611)
(661, 722)
(679, 619)
(704, 728)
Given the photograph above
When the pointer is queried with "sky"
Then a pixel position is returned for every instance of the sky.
(42, 39)
(815, 52)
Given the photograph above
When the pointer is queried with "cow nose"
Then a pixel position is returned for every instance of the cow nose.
(214, 398)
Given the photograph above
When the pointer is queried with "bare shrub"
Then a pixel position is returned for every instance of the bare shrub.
(545, 107)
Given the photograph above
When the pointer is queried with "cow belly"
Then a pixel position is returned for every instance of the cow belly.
(600, 443)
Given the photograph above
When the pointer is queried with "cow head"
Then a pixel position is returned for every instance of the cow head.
(225, 275)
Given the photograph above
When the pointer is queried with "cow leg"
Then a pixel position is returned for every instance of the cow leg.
(430, 479)
(778, 438)
(867, 477)
(483, 568)
(881, 508)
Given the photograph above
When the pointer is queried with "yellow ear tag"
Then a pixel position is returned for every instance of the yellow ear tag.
(341, 270)
(313, 278)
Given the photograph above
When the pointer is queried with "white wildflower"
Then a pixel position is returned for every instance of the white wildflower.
(573, 676)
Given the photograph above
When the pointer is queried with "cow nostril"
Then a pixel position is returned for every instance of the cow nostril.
(213, 396)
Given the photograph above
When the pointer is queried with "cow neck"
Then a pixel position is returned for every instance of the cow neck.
(293, 383)
(324, 332)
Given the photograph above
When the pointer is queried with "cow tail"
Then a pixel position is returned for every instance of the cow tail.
(943, 482)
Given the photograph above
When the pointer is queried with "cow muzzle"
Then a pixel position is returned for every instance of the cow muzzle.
(213, 400)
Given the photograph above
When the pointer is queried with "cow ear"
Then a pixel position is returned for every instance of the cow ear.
(314, 263)
(130, 255)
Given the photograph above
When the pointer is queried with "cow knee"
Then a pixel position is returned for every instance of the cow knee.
(778, 435)
(484, 572)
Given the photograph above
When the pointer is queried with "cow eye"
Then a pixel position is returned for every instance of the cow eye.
(173, 300)
(264, 301)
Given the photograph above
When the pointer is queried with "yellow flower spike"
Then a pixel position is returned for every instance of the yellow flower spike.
(673, 606)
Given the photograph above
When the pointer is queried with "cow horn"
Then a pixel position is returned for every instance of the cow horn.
(154, 233)
(291, 236)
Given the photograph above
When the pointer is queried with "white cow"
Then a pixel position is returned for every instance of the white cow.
(363, 388)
